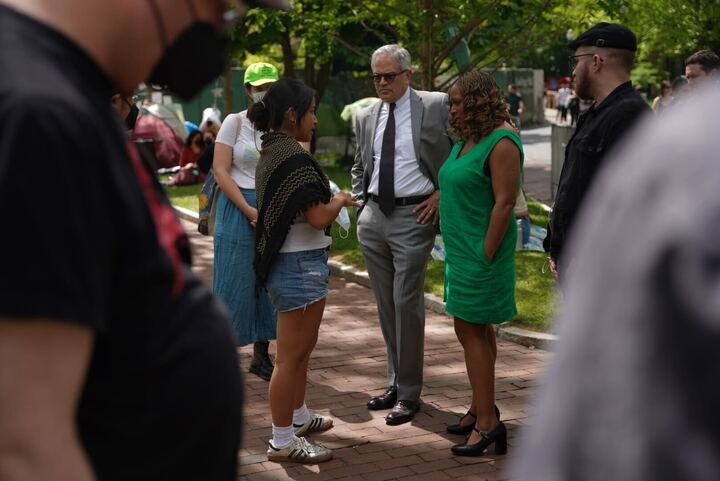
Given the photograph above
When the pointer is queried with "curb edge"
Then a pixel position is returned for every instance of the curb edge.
(434, 303)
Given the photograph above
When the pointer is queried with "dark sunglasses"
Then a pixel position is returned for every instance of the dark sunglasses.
(389, 77)
(199, 142)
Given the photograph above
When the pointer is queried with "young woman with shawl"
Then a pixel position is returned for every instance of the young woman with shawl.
(295, 210)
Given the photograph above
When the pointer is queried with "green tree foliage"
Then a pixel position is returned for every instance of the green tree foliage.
(667, 30)
(493, 30)
(446, 37)
(307, 37)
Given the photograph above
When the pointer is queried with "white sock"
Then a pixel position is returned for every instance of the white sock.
(282, 436)
(301, 415)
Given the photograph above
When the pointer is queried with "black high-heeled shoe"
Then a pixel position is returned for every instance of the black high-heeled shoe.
(497, 436)
(465, 430)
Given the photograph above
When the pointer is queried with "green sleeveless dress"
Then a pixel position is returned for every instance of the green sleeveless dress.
(476, 290)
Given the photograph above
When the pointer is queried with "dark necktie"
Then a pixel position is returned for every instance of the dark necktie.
(386, 181)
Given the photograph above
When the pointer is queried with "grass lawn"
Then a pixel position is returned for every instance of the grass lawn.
(184, 196)
(535, 292)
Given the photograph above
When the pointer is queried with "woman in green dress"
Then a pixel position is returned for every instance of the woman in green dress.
(478, 184)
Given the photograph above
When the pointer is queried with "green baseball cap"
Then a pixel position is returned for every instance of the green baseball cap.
(260, 73)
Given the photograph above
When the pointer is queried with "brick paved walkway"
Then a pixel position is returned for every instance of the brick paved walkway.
(348, 367)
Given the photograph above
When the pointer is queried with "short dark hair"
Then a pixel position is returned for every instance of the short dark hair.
(284, 94)
(707, 60)
(625, 58)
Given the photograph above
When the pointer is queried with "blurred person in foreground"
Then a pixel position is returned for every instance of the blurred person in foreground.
(633, 392)
(603, 59)
(479, 184)
(701, 67)
(116, 362)
(127, 109)
(295, 210)
(235, 161)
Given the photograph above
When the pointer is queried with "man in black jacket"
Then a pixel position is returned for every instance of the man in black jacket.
(603, 60)
(116, 361)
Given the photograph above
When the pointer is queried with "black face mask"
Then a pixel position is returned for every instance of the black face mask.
(192, 61)
(132, 117)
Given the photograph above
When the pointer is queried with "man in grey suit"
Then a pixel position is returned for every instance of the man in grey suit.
(402, 142)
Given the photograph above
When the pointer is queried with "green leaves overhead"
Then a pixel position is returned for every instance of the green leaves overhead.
(445, 36)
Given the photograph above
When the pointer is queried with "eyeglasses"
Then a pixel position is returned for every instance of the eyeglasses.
(573, 59)
(389, 77)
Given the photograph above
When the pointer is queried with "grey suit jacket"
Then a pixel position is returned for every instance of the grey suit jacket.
(429, 112)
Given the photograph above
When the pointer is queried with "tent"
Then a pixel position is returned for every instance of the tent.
(164, 126)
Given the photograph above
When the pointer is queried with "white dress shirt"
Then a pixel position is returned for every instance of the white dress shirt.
(409, 180)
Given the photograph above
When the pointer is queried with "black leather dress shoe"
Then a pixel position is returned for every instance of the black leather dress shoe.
(403, 412)
(384, 401)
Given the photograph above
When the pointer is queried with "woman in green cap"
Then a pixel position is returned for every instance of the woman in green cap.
(236, 157)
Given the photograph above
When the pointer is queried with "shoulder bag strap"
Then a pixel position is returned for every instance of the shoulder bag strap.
(238, 128)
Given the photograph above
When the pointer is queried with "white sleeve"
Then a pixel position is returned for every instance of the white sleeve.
(228, 131)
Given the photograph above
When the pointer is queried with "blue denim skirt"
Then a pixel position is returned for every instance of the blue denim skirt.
(298, 279)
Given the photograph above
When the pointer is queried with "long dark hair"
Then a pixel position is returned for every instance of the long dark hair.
(284, 94)
(191, 138)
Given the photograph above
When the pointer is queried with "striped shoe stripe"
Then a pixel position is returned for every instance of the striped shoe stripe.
(298, 454)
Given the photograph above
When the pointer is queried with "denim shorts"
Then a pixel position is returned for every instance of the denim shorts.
(298, 279)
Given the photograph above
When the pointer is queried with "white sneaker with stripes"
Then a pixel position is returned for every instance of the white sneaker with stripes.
(300, 450)
(316, 424)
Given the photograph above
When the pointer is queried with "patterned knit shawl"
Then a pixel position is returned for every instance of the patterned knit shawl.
(287, 181)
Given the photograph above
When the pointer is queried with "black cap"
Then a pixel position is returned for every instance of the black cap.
(606, 35)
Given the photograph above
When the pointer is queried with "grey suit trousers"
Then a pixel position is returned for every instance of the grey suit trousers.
(396, 251)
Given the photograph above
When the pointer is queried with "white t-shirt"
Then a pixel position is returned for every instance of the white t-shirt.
(245, 147)
(563, 97)
(304, 237)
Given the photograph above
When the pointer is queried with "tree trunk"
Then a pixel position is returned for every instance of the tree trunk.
(428, 76)
(288, 54)
(319, 82)
(322, 79)
(309, 73)
(227, 90)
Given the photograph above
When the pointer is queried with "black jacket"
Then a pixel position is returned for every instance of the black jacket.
(598, 130)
